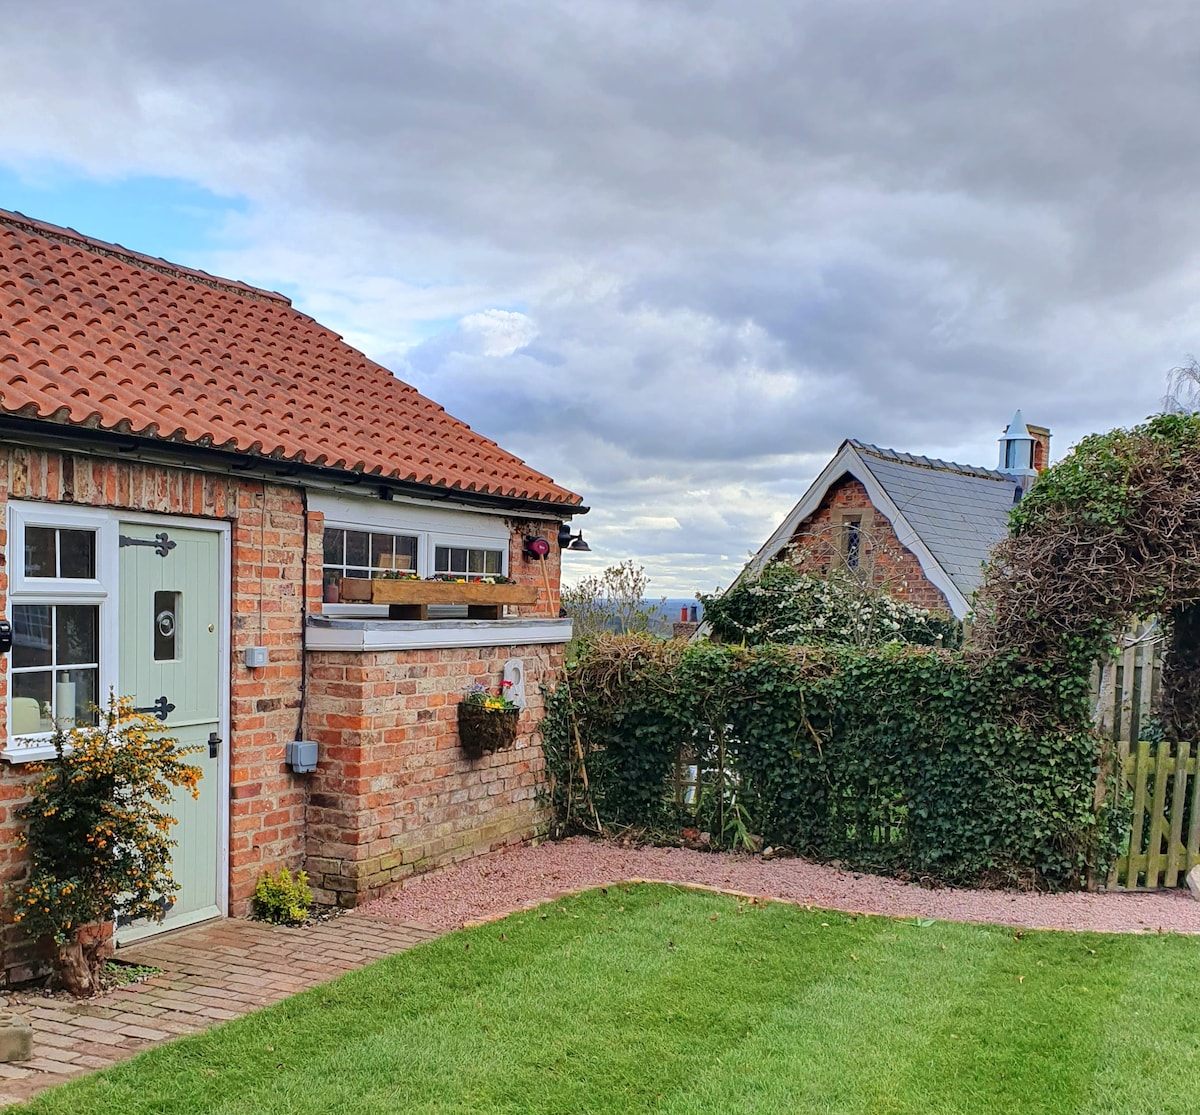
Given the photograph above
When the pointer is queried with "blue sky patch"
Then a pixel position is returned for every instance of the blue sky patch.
(166, 217)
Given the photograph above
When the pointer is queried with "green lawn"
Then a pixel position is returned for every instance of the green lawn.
(650, 998)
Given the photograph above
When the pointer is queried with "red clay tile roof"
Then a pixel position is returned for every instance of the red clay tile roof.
(94, 335)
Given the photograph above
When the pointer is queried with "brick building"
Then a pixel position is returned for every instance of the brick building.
(189, 467)
(918, 527)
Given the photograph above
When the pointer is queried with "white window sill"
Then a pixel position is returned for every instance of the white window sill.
(34, 750)
(325, 633)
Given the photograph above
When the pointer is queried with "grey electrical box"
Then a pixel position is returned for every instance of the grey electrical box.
(256, 657)
(301, 756)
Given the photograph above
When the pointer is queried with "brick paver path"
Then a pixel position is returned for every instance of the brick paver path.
(211, 972)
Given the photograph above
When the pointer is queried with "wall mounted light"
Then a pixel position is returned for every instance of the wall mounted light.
(569, 541)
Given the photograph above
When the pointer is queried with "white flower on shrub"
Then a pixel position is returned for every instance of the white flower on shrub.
(785, 605)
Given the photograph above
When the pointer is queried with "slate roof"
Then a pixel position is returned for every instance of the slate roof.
(94, 335)
(958, 511)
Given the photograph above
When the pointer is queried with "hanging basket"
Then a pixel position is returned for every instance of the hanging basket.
(481, 730)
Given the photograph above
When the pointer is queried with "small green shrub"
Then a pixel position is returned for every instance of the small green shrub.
(281, 899)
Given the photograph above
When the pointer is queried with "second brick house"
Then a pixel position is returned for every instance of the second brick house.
(918, 527)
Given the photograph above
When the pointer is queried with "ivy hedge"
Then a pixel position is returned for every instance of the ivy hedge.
(901, 759)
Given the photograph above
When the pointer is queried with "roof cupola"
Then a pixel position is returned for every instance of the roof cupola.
(1016, 449)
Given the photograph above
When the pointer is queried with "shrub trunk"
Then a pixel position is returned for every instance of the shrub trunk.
(77, 963)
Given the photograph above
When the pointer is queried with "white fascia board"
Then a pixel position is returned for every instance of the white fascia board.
(848, 461)
(355, 496)
(371, 635)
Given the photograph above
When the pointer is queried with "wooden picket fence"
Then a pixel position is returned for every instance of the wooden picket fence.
(1126, 690)
(1164, 835)
(1163, 779)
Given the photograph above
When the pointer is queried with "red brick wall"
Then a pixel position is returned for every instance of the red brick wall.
(816, 547)
(527, 571)
(394, 793)
(267, 802)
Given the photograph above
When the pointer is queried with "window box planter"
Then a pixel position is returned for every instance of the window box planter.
(482, 731)
(411, 599)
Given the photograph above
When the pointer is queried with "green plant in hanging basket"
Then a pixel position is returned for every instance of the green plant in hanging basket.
(487, 719)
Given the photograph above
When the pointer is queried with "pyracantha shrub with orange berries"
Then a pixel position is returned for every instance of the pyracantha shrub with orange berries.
(98, 829)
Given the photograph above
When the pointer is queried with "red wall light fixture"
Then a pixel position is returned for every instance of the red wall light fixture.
(536, 549)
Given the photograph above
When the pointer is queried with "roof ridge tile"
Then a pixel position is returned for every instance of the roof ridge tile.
(934, 463)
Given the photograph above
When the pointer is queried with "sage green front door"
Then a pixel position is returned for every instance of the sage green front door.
(169, 661)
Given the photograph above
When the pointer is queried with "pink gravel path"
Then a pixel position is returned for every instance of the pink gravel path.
(517, 878)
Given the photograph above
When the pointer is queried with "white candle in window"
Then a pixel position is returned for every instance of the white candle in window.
(64, 700)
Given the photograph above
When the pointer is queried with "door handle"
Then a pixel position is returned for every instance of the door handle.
(214, 742)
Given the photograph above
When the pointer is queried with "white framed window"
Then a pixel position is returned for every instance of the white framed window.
(468, 561)
(60, 587)
(61, 551)
(370, 538)
(54, 671)
(366, 553)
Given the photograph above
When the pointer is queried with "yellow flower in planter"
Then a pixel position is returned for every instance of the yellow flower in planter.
(492, 700)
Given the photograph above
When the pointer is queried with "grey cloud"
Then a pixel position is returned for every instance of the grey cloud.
(737, 232)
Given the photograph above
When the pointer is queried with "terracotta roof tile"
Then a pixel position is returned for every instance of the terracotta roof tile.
(94, 335)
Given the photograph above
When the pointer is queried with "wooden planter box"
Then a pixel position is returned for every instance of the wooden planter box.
(482, 731)
(411, 599)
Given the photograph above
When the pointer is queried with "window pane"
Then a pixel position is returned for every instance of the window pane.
(81, 685)
(853, 539)
(31, 703)
(77, 554)
(381, 551)
(357, 549)
(335, 540)
(406, 553)
(32, 635)
(475, 561)
(39, 552)
(77, 635)
(495, 562)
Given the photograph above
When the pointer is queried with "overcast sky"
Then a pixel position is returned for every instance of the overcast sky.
(669, 253)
